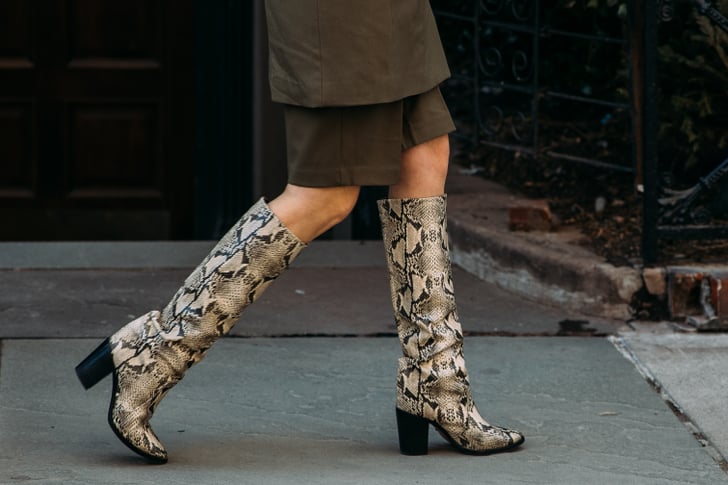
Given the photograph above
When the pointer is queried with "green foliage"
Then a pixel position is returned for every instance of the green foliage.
(693, 81)
(692, 78)
(693, 90)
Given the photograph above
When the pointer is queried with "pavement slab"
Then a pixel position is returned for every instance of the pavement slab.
(168, 254)
(315, 403)
(303, 301)
(320, 410)
(689, 370)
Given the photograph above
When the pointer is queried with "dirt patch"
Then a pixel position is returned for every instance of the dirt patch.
(603, 205)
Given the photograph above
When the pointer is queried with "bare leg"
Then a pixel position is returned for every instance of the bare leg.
(308, 212)
(424, 170)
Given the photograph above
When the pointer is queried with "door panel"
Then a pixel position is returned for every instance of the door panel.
(17, 113)
(115, 30)
(114, 150)
(16, 138)
(95, 119)
(16, 30)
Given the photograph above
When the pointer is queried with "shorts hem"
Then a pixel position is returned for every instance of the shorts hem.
(344, 177)
(435, 127)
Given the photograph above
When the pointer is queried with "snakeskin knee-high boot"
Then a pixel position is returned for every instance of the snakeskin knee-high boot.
(150, 355)
(432, 385)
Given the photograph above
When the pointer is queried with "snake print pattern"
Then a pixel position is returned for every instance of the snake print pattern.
(432, 379)
(152, 353)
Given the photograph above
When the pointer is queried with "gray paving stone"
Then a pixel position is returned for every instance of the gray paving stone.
(690, 371)
(306, 300)
(168, 254)
(320, 410)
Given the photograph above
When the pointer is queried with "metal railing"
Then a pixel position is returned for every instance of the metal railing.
(672, 212)
(529, 77)
(506, 57)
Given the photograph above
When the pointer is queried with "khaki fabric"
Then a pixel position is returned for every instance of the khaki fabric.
(352, 52)
(360, 145)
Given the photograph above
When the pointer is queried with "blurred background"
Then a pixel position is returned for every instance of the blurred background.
(136, 120)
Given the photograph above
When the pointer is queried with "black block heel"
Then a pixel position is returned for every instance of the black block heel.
(412, 432)
(96, 366)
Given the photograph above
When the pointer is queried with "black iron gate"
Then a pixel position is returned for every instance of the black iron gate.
(685, 187)
(511, 57)
(529, 77)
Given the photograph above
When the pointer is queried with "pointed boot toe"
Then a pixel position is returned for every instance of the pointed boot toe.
(130, 424)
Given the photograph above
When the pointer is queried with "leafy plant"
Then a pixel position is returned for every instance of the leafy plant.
(693, 89)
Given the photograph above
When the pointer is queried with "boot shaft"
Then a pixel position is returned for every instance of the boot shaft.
(251, 255)
(423, 299)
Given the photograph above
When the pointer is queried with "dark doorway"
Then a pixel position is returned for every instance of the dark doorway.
(96, 119)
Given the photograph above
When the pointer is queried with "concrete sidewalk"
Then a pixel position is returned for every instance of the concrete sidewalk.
(552, 267)
(689, 372)
(320, 410)
(266, 407)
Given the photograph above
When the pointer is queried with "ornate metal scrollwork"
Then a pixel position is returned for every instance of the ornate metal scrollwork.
(522, 9)
(491, 62)
(494, 63)
(493, 7)
(497, 124)
(521, 66)
(521, 126)
(665, 10)
(492, 121)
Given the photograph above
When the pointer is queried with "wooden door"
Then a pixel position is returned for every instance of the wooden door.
(96, 101)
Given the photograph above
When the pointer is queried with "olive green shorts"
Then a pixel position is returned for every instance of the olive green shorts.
(360, 145)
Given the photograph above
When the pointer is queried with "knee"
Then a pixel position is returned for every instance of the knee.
(424, 169)
(325, 206)
(440, 146)
(432, 155)
(439, 168)
(439, 154)
(339, 202)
